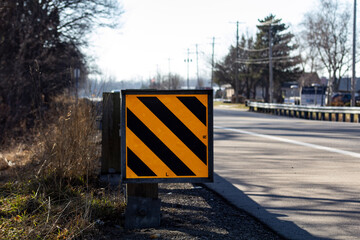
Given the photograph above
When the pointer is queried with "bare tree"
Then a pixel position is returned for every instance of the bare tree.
(40, 45)
(327, 32)
(309, 57)
(165, 82)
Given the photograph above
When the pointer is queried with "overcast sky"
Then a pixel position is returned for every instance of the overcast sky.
(155, 34)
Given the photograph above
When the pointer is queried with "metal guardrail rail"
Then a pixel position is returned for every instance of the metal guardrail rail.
(343, 114)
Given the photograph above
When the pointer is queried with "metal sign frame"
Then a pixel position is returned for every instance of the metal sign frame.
(164, 93)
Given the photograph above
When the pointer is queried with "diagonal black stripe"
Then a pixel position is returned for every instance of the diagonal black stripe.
(195, 106)
(138, 166)
(156, 145)
(176, 126)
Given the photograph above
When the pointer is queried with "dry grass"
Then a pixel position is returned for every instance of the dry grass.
(68, 148)
(51, 191)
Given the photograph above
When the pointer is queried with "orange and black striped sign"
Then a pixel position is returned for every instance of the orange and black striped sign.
(167, 136)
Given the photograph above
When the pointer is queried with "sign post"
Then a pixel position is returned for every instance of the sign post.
(166, 136)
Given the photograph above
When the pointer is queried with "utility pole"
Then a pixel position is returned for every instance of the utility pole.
(236, 65)
(353, 79)
(270, 67)
(197, 66)
(158, 80)
(169, 74)
(187, 61)
(212, 63)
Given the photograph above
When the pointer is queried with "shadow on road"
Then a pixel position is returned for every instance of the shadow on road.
(238, 198)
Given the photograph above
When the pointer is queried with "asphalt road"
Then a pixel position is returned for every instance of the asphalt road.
(300, 177)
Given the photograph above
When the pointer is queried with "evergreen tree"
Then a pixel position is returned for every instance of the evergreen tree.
(285, 65)
(225, 70)
(253, 58)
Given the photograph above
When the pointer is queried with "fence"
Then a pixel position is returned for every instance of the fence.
(343, 114)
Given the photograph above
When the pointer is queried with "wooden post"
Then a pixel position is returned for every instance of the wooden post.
(323, 116)
(110, 159)
(143, 205)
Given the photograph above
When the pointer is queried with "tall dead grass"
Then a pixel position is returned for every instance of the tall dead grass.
(69, 147)
(60, 198)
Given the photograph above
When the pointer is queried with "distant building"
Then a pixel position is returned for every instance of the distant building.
(345, 85)
(307, 79)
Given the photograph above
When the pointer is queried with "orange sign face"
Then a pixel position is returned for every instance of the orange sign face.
(167, 136)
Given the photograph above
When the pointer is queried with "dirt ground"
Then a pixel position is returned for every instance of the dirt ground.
(191, 211)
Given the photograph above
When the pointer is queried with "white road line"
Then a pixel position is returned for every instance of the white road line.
(334, 150)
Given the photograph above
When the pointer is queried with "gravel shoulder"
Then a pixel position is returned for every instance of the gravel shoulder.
(194, 212)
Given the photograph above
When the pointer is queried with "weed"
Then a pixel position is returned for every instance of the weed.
(57, 195)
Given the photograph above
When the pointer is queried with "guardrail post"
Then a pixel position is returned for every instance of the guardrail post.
(110, 150)
(323, 116)
(309, 112)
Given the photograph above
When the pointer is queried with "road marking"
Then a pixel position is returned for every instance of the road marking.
(334, 150)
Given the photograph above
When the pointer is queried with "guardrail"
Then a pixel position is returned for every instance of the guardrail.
(343, 114)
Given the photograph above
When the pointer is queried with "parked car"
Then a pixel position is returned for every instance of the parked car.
(344, 99)
(341, 99)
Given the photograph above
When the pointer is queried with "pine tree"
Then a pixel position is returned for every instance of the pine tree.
(285, 65)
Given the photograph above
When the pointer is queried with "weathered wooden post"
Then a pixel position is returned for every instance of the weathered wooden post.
(143, 205)
(344, 117)
(110, 152)
(322, 116)
(352, 117)
(166, 136)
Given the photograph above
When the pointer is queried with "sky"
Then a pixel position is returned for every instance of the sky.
(155, 35)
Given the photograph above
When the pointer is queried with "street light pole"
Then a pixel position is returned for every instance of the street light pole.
(315, 85)
(236, 64)
(353, 79)
(212, 63)
(270, 67)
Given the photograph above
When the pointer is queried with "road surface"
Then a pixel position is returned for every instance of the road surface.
(300, 177)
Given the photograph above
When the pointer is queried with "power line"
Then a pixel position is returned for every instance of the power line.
(266, 59)
(254, 50)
